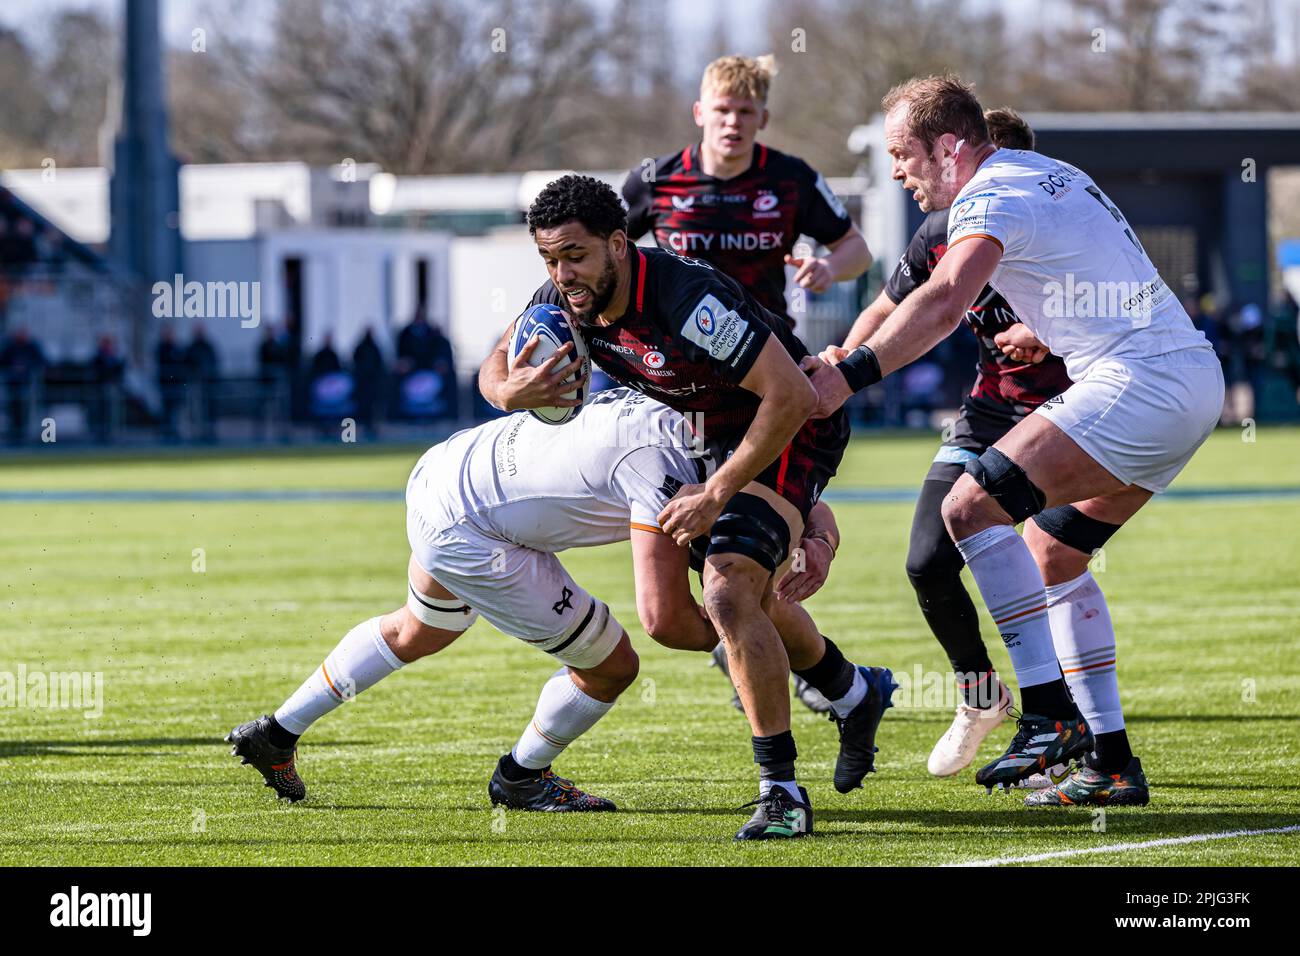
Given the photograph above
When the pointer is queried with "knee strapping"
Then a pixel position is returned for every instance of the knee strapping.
(1070, 526)
(447, 614)
(1007, 484)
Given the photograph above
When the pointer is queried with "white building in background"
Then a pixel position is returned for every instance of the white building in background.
(303, 234)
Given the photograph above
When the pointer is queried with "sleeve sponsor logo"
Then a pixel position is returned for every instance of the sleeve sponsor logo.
(970, 214)
(715, 328)
(832, 200)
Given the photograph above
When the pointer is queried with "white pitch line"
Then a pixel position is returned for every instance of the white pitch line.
(1124, 847)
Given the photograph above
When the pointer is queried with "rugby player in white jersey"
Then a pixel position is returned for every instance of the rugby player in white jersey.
(1147, 392)
(486, 511)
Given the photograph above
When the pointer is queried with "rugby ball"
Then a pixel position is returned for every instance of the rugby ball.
(552, 327)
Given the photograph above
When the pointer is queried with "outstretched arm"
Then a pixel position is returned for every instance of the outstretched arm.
(923, 319)
(664, 601)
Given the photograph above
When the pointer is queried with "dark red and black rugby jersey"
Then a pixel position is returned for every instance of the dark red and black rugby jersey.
(1011, 387)
(688, 338)
(744, 225)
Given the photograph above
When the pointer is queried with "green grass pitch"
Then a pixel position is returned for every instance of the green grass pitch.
(1204, 592)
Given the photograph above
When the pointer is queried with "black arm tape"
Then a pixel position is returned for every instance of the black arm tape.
(750, 526)
(1007, 484)
(1070, 526)
(860, 368)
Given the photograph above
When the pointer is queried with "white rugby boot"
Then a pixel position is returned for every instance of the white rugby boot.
(959, 744)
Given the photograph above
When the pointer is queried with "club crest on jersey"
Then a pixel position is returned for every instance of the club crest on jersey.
(765, 202)
(715, 328)
(653, 359)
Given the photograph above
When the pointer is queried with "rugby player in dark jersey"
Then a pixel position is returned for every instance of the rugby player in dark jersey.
(682, 332)
(739, 204)
(1006, 389)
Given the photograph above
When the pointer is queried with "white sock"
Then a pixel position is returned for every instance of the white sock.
(792, 788)
(361, 660)
(844, 705)
(1013, 591)
(1085, 645)
(564, 713)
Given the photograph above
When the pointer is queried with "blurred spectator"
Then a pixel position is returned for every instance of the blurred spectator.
(329, 387)
(1283, 347)
(368, 374)
(171, 380)
(326, 360)
(421, 347)
(107, 371)
(275, 375)
(1249, 328)
(22, 365)
(1199, 311)
(204, 374)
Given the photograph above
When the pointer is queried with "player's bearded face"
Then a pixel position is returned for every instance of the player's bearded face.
(925, 171)
(588, 297)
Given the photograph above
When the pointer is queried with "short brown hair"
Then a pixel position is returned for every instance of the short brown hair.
(741, 76)
(1008, 129)
(939, 105)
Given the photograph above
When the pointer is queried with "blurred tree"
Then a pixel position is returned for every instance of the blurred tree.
(456, 86)
(837, 58)
(23, 107)
(1133, 55)
(77, 76)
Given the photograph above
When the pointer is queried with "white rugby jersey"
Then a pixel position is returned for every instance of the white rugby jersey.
(552, 487)
(1072, 267)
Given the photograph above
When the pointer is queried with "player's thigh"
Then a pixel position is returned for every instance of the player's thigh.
(530, 596)
(759, 524)
(1056, 465)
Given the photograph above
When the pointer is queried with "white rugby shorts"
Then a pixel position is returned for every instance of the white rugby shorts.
(1142, 419)
(524, 593)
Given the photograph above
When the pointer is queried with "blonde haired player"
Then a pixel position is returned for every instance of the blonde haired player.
(739, 204)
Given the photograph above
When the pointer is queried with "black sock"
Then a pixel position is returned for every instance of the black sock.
(1047, 700)
(1111, 752)
(934, 567)
(775, 756)
(516, 772)
(832, 675)
(978, 689)
(953, 620)
(280, 737)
